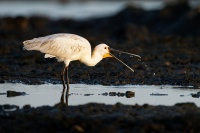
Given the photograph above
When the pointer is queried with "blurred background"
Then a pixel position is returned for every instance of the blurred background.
(79, 9)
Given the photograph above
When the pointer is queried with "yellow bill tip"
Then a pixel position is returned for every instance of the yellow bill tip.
(107, 55)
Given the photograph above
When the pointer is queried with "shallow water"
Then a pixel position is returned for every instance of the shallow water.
(75, 10)
(48, 94)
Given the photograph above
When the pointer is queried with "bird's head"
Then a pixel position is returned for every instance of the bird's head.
(104, 50)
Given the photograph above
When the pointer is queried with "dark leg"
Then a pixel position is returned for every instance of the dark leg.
(63, 74)
(63, 79)
(67, 79)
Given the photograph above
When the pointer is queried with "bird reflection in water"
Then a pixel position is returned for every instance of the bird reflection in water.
(64, 98)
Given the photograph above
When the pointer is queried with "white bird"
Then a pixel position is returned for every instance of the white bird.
(70, 47)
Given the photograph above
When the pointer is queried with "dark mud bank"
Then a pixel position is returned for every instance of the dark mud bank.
(100, 118)
(168, 41)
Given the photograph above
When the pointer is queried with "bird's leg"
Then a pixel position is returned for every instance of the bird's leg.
(67, 79)
(63, 79)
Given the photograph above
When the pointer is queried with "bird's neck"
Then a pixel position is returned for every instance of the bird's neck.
(92, 59)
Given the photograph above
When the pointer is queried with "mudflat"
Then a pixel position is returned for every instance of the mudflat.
(168, 41)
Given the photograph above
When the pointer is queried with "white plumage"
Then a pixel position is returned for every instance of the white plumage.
(70, 47)
(65, 47)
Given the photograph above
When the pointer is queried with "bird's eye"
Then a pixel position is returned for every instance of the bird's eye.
(105, 47)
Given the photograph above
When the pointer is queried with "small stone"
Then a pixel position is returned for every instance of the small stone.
(15, 93)
(195, 95)
(120, 94)
(88, 94)
(112, 93)
(130, 94)
(105, 94)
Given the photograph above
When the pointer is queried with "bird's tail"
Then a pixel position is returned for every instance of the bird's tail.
(30, 45)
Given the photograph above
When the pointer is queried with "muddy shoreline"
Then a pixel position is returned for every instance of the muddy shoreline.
(102, 118)
(168, 41)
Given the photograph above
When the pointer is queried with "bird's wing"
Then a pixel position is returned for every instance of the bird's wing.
(67, 46)
(48, 56)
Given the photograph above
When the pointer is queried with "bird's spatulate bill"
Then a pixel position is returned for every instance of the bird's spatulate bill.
(111, 49)
(122, 62)
(107, 55)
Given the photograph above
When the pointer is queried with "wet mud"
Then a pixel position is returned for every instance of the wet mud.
(100, 118)
(168, 41)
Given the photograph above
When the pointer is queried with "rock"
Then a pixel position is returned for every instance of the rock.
(112, 93)
(130, 94)
(14, 93)
(105, 94)
(88, 94)
(196, 95)
(119, 94)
